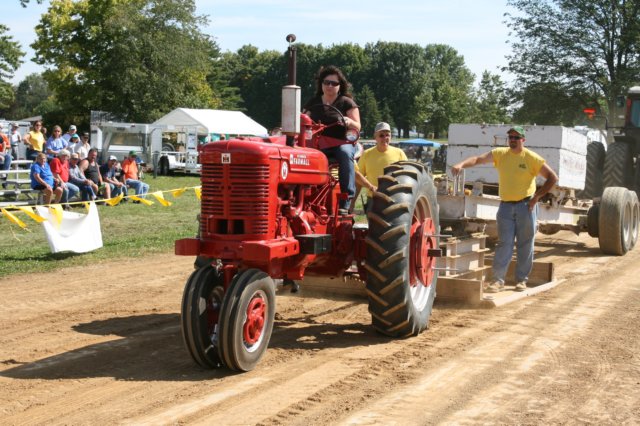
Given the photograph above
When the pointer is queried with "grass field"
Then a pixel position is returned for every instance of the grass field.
(128, 230)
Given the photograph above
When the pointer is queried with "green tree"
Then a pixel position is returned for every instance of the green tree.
(450, 86)
(399, 76)
(33, 97)
(369, 111)
(136, 58)
(491, 100)
(10, 59)
(549, 103)
(576, 46)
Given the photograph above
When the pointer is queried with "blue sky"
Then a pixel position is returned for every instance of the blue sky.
(474, 28)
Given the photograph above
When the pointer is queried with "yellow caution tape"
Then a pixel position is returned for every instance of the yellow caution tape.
(14, 219)
(161, 199)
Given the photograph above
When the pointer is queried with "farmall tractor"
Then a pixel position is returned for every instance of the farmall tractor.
(270, 212)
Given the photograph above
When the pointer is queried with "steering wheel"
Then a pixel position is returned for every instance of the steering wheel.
(351, 135)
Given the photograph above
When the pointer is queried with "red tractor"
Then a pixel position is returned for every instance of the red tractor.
(270, 212)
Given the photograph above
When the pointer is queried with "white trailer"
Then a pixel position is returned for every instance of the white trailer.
(469, 202)
(112, 138)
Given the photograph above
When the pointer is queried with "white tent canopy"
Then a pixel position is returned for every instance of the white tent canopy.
(209, 121)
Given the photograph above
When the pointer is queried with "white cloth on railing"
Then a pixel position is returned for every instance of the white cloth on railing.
(78, 233)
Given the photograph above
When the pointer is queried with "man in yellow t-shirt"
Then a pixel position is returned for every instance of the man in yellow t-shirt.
(516, 218)
(373, 161)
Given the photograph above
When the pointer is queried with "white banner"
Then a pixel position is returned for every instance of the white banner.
(78, 233)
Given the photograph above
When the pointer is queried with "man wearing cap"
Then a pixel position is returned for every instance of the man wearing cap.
(373, 161)
(60, 169)
(72, 131)
(87, 188)
(108, 172)
(131, 175)
(516, 218)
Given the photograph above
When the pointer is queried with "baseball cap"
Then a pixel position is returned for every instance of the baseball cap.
(113, 157)
(75, 135)
(72, 127)
(133, 154)
(382, 126)
(14, 125)
(75, 155)
(517, 129)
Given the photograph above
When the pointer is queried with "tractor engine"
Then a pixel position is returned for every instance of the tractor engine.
(269, 206)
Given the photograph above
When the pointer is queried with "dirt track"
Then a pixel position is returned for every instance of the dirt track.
(102, 346)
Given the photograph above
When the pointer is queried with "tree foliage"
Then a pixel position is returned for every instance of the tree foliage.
(491, 100)
(135, 58)
(10, 59)
(33, 97)
(576, 46)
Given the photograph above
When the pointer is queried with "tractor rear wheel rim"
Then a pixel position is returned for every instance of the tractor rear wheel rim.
(214, 302)
(421, 265)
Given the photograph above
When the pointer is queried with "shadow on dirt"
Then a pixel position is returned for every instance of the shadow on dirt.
(150, 348)
(563, 247)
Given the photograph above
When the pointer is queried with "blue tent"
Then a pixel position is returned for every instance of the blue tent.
(421, 142)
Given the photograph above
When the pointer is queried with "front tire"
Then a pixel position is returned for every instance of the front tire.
(200, 313)
(403, 228)
(247, 318)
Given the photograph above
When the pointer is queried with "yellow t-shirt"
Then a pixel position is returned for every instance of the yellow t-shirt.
(373, 162)
(516, 172)
(36, 139)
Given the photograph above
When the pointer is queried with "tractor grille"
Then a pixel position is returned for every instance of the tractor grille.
(235, 199)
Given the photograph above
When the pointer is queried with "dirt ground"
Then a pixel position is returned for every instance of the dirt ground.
(102, 345)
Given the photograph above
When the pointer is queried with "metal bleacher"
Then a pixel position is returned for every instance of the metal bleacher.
(16, 185)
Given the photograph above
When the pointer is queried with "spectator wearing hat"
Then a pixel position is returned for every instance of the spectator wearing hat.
(42, 179)
(55, 143)
(5, 149)
(74, 141)
(60, 169)
(83, 147)
(516, 218)
(131, 175)
(373, 161)
(34, 140)
(108, 172)
(72, 131)
(88, 189)
(15, 138)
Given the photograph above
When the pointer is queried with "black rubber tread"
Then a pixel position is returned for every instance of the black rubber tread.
(194, 322)
(618, 166)
(593, 184)
(163, 165)
(635, 219)
(592, 220)
(613, 222)
(231, 348)
(202, 261)
(393, 312)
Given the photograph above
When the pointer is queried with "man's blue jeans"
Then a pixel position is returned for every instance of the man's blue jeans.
(141, 188)
(515, 224)
(69, 192)
(344, 155)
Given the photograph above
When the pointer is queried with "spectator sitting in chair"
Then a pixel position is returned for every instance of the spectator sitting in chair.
(108, 172)
(42, 179)
(60, 169)
(55, 143)
(131, 175)
(92, 172)
(88, 189)
(5, 154)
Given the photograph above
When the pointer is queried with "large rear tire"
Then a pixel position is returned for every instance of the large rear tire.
(403, 227)
(618, 166)
(593, 184)
(201, 302)
(614, 222)
(247, 318)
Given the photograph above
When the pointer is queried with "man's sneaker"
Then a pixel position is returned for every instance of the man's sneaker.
(521, 286)
(495, 287)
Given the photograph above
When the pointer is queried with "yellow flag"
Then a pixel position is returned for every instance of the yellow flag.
(160, 198)
(56, 211)
(142, 200)
(114, 201)
(29, 212)
(198, 191)
(178, 192)
(14, 219)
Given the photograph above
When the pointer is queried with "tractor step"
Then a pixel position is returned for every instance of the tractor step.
(314, 243)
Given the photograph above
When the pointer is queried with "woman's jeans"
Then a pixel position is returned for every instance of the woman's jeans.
(515, 224)
(344, 155)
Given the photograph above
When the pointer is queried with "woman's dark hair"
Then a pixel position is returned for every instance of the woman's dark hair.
(329, 70)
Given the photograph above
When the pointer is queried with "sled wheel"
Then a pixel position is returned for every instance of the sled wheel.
(247, 317)
(200, 315)
(618, 165)
(595, 163)
(164, 166)
(403, 224)
(614, 222)
(592, 220)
